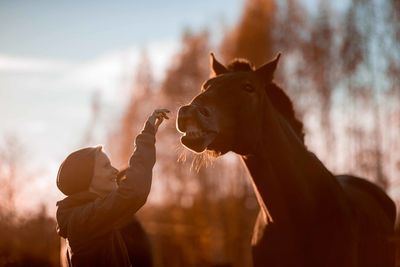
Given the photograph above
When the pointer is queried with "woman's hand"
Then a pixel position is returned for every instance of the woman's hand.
(158, 117)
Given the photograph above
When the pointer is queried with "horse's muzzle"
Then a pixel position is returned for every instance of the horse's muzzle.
(192, 113)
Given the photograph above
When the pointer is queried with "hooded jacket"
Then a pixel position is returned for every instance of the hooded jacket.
(93, 226)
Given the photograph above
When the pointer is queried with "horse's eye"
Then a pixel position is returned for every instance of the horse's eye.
(248, 88)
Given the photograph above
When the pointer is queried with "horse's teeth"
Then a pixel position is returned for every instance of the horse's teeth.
(195, 134)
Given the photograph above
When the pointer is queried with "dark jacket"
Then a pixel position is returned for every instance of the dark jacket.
(94, 226)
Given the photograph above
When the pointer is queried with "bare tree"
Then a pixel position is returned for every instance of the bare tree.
(95, 115)
(139, 106)
(252, 37)
(12, 157)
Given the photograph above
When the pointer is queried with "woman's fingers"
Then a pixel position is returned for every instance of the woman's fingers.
(158, 117)
(158, 122)
(165, 116)
(161, 113)
(162, 110)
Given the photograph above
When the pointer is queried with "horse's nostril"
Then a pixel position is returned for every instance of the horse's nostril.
(184, 110)
(204, 111)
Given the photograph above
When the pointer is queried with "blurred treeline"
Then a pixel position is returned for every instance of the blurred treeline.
(341, 67)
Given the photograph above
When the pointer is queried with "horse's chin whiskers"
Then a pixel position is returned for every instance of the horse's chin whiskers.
(182, 157)
(200, 160)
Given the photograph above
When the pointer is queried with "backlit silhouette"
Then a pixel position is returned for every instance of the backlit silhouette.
(314, 218)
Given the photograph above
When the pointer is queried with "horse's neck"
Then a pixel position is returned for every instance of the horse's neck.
(290, 180)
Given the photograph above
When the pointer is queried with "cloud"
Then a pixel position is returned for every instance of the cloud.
(113, 72)
(13, 64)
(106, 70)
(160, 54)
(114, 66)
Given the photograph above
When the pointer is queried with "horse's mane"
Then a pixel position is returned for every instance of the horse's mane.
(279, 98)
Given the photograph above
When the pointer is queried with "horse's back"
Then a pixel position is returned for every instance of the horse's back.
(350, 184)
(375, 214)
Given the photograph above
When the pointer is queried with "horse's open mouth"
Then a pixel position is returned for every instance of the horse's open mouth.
(198, 141)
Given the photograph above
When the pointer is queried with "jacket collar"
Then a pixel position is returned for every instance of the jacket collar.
(77, 199)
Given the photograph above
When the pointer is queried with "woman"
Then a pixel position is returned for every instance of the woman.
(97, 212)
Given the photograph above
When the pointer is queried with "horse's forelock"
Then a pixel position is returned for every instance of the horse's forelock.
(240, 64)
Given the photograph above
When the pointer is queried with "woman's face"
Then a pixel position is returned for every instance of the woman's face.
(104, 175)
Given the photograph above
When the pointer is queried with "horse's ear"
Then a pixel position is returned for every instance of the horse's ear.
(216, 68)
(267, 70)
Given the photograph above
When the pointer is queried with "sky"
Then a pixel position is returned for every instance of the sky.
(64, 30)
(55, 55)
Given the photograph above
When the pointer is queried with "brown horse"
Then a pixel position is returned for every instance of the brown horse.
(313, 217)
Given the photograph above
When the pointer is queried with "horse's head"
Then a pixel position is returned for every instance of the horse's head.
(227, 114)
